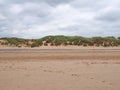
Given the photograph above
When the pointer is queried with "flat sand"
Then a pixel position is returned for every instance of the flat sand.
(60, 69)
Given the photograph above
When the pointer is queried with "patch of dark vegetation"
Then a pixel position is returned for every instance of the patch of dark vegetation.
(61, 40)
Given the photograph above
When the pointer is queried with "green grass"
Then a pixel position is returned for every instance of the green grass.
(62, 40)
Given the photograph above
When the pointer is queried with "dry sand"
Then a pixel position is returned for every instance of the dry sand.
(60, 69)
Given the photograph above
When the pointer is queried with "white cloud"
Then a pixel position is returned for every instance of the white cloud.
(1, 1)
(2, 17)
(109, 14)
(16, 9)
(36, 18)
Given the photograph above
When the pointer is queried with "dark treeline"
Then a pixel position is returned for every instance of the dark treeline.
(109, 41)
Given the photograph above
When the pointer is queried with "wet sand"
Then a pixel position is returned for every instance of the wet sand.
(59, 69)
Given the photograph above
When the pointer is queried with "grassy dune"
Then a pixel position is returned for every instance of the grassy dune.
(61, 41)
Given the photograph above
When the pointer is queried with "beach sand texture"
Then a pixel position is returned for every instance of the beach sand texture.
(59, 69)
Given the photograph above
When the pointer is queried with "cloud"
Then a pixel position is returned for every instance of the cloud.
(16, 9)
(109, 14)
(2, 17)
(51, 2)
(37, 18)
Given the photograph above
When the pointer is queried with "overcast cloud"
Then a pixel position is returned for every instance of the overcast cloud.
(38, 18)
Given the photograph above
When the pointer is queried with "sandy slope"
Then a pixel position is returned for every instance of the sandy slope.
(60, 69)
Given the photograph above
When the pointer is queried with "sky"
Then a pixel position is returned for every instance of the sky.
(38, 18)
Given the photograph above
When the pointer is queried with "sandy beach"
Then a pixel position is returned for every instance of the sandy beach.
(60, 69)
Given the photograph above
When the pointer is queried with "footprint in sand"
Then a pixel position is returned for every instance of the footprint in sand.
(91, 78)
(61, 72)
(103, 81)
(76, 75)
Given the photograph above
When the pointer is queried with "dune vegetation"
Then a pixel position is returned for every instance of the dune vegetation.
(61, 40)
